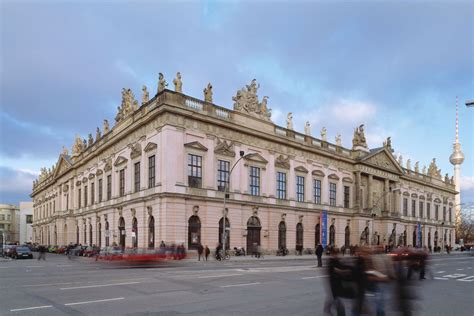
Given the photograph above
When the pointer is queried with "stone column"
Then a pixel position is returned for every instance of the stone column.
(386, 195)
(370, 202)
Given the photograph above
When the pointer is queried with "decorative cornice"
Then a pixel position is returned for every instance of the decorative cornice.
(150, 146)
(301, 169)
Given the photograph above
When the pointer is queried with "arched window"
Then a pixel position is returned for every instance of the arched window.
(107, 234)
(65, 234)
(77, 235)
(429, 239)
(227, 226)
(85, 235)
(414, 238)
(55, 236)
(332, 235)
(347, 237)
(134, 233)
(299, 236)
(194, 232)
(99, 235)
(282, 235)
(364, 237)
(436, 239)
(405, 238)
(90, 235)
(121, 228)
(317, 235)
(151, 232)
(253, 233)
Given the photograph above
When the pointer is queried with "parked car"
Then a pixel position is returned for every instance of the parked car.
(90, 251)
(8, 250)
(110, 253)
(79, 250)
(52, 249)
(22, 253)
(61, 250)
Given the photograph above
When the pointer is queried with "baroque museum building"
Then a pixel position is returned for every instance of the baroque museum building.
(160, 174)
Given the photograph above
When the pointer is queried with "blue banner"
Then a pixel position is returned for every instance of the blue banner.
(418, 239)
(324, 228)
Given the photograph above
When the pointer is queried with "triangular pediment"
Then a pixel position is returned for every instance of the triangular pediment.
(256, 158)
(150, 146)
(120, 160)
(301, 169)
(383, 159)
(62, 165)
(196, 145)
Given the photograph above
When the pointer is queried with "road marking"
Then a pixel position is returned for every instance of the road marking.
(34, 266)
(315, 277)
(96, 301)
(98, 285)
(454, 276)
(441, 272)
(218, 276)
(29, 308)
(437, 278)
(460, 269)
(242, 284)
(467, 279)
(47, 284)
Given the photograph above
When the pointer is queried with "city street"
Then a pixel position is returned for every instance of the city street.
(269, 286)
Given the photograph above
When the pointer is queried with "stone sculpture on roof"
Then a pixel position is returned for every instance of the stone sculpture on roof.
(433, 170)
(208, 93)
(145, 95)
(178, 84)
(289, 121)
(324, 134)
(162, 84)
(128, 105)
(78, 146)
(106, 127)
(338, 140)
(307, 128)
(388, 143)
(400, 160)
(359, 137)
(65, 151)
(246, 101)
(409, 164)
(417, 167)
(90, 141)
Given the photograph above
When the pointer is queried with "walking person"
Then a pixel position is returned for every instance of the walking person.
(200, 250)
(319, 254)
(42, 252)
(207, 251)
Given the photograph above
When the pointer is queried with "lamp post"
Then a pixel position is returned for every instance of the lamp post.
(224, 232)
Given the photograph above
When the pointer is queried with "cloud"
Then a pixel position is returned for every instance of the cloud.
(15, 184)
(125, 68)
(352, 111)
(467, 182)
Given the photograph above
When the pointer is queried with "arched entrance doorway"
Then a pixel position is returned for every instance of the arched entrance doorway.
(77, 235)
(194, 232)
(436, 239)
(317, 235)
(227, 236)
(107, 234)
(85, 235)
(414, 238)
(90, 235)
(299, 237)
(405, 238)
(253, 233)
(347, 237)
(99, 235)
(121, 228)
(429, 240)
(55, 237)
(364, 237)
(134, 233)
(282, 235)
(151, 232)
(332, 235)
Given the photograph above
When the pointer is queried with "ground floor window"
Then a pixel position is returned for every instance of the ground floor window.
(253, 234)
(134, 233)
(194, 232)
(347, 237)
(151, 232)
(332, 236)
(121, 228)
(282, 235)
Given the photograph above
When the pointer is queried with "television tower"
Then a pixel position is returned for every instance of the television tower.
(457, 158)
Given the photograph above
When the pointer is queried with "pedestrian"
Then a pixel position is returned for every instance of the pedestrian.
(42, 252)
(218, 252)
(200, 250)
(319, 254)
(207, 251)
(337, 273)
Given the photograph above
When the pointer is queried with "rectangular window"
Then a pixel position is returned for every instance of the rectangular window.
(92, 193)
(79, 198)
(444, 213)
(67, 201)
(436, 212)
(254, 181)
(428, 210)
(332, 194)
(194, 171)
(137, 177)
(299, 188)
(347, 193)
(85, 195)
(54, 206)
(413, 208)
(109, 187)
(29, 219)
(151, 171)
(223, 168)
(317, 191)
(281, 185)
(405, 207)
(420, 209)
(122, 182)
(100, 190)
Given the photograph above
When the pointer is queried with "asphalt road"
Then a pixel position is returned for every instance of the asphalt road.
(59, 286)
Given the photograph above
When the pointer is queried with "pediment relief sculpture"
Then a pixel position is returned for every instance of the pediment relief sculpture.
(301, 169)
(196, 145)
(382, 160)
(120, 160)
(318, 173)
(224, 148)
(150, 146)
(135, 150)
(246, 101)
(256, 158)
(282, 162)
(348, 180)
(333, 176)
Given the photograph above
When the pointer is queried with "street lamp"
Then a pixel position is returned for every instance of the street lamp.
(470, 103)
(224, 232)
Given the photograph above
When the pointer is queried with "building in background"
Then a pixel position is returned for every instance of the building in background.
(9, 223)
(26, 220)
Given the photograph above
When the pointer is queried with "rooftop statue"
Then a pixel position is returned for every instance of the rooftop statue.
(208, 93)
(400, 160)
(424, 170)
(106, 127)
(90, 141)
(324, 134)
(65, 151)
(289, 121)
(84, 144)
(338, 140)
(128, 105)
(246, 101)
(417, 167)
(446, 178)
(97, 134)
(359, 137)
(145, 95)
(388, 143)
(78, 146)
(409, 164)
(162, 84)
(433, 170)
(178, 84)
(307, 128)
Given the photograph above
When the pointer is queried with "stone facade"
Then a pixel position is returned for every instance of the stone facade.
(159, 174)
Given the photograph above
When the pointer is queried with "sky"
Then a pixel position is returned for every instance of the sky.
(395, 66)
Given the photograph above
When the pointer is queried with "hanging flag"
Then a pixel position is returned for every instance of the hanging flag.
(324, 228)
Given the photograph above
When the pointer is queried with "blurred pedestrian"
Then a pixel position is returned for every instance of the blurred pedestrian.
(338, 273)
(200, 250)
(206, 252)
(42, 252)
(319, 254)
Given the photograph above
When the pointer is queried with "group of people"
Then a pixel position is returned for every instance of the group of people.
(203, 252)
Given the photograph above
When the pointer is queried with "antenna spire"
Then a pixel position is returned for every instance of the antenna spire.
(457, 122)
